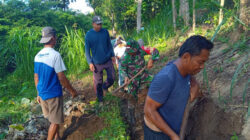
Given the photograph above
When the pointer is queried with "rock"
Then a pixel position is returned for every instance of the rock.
(19, 135)
(35, 128)
(75, 107)
(246, 129)
(25, 101)
(43, 136)
(36, 109)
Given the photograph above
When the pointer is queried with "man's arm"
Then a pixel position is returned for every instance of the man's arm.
(153, 115)
(154, 55)
(36, 82)
(88, 56)
(87, 50)
(36, 79)
(65, 83)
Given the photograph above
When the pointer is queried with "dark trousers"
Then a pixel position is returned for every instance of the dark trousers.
(150, 134)
(98, 78)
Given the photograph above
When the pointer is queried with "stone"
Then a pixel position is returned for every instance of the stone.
(246, 129)
(19, 135)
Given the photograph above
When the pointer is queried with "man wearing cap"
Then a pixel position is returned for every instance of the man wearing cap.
(49, 76)
(97, 40)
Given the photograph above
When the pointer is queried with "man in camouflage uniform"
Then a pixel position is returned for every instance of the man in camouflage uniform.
(133, 61)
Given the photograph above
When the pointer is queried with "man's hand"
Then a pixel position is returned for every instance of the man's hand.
(194, 90)
(126, 80)
(113, 60)
(73, 93)
(92, 67)
(175, 137)
(150, 64)
(65, 83)
(38, 99)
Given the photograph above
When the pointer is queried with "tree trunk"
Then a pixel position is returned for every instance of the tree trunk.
(139, 2)
(221, 10)
(184, 11)
(113, 24)
(244, 14)
(194, 20)
(174, 14)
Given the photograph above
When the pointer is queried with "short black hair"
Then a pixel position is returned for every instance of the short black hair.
(112, 37)
(194, 44)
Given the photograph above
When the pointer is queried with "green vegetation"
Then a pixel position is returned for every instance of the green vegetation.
(234, 137)
(20, 32)
(115, 127)
(73, 51)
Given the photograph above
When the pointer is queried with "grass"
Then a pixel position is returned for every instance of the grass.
(24, 45)
(13, 109)
(234, 137)
(245, 91)
(248, 112)
(236, 73)
(205, 79)
(73, 51)
(115, 127)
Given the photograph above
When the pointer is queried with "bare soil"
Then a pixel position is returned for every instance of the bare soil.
(213, 117)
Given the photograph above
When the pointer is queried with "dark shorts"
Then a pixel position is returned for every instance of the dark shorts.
(154, 135)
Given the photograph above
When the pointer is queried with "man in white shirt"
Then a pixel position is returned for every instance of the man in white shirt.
(119, 52)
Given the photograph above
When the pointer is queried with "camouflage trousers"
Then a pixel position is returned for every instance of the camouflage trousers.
(143, 79)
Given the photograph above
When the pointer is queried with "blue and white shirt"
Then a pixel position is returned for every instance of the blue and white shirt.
(48, 62)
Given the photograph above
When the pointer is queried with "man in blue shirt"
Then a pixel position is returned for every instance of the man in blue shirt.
(49, 78)
(100, 56)
(171, 89)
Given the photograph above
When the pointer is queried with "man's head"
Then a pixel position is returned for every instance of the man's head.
(194, 53)
(97, 23)
(48, 36)
(141, 42)
(132, 47)
(119, 40)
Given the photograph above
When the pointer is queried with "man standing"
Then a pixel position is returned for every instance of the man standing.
(49, 76)
(101, 58)
(171, 88)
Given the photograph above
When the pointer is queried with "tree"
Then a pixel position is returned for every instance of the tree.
(221, 11)
(184, 11)
(174, 14)
(94, 4)
(244, 14)
(139, 3)
(194, 16)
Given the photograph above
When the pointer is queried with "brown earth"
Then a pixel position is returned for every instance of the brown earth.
(214, 117)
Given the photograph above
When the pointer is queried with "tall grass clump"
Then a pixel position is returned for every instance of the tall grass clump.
(235, 76)
(23, 45)
(73, 51)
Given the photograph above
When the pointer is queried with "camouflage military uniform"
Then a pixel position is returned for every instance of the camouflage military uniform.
(132, 64)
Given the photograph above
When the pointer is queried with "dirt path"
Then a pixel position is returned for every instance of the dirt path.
(79, 125)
